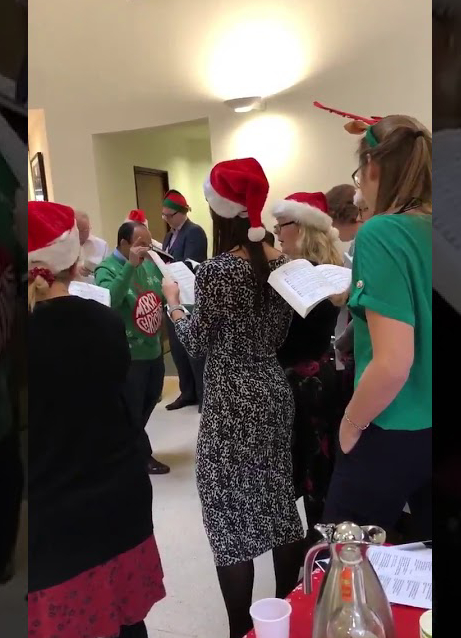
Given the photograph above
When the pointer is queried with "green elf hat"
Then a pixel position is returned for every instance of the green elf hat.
(175, 201)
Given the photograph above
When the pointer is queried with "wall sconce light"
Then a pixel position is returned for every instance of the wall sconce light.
(246, 104)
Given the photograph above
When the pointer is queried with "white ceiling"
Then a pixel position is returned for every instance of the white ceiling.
(98, 55)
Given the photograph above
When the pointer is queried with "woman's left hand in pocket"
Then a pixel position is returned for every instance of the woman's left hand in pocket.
(348, 436)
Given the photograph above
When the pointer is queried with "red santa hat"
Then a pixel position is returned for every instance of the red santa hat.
(53, 239)
(239, 188)
(307, 209)
(138, 216)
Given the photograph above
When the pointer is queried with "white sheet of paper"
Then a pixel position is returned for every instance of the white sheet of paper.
(406, 576)
(179, 272)
(309, 284)
(185, 278)
(88, 291)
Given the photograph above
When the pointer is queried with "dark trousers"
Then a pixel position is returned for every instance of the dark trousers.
(143, 389)
(190, 371)
(134, 631)
(384, 471)
(11, 489)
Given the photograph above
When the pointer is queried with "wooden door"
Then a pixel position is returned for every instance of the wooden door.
(151, 186)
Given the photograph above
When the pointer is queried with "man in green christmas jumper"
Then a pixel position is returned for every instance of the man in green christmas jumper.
(135, 285)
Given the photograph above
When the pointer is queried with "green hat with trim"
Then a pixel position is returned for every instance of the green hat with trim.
(175, 201)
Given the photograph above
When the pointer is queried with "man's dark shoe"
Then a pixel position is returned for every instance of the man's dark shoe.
(154, 467)
(180, 403)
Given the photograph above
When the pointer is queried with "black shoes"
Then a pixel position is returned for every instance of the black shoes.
(154, 467)
(180, 403)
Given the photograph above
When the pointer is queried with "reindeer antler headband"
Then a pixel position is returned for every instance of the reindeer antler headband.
(359, 124)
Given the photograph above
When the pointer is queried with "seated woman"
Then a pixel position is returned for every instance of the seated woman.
(305, 231)
(94, 568)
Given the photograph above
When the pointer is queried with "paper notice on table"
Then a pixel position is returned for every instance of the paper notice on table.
(88, 291)
(406, 576)
(179, 272)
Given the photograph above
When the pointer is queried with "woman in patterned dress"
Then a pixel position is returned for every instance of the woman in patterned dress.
(244, 467)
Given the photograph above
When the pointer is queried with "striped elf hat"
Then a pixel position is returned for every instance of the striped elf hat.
(175, 201)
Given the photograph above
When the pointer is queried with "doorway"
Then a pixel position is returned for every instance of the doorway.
(151, 186)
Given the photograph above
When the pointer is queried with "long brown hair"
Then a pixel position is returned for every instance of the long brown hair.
(233, 233)
(404, 156)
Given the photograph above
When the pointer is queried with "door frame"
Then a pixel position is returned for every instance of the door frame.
(141, 170)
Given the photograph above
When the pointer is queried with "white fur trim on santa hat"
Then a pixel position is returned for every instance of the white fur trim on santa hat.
(256, 234)
(222, 206)
(60, 255)
(304, 214)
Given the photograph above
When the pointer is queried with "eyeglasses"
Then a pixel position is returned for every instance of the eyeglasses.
(165, 217)
(356, 176)
(278, 227)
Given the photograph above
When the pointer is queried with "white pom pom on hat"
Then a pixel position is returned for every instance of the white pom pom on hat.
(239, 188)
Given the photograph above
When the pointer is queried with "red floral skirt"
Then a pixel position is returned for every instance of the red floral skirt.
(97, 603)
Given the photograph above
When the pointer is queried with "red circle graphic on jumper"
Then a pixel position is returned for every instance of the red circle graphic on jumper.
(148, 313)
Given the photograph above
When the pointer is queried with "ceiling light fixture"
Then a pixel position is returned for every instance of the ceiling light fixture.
(246, 104)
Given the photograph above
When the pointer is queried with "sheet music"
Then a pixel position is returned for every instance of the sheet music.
(88, 291)
(405, 575)
(185, 278)
(179, 272)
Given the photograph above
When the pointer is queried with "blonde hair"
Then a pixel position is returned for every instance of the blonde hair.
(404, 156)
(319, 246)
(39, 288)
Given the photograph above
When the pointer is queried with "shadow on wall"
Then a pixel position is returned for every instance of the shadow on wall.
(183, 150)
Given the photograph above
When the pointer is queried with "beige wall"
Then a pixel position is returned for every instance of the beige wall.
(38, 143)
(183, 150)
(375, 59)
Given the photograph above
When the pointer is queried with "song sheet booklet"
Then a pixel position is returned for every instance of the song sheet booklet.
(304, 286)
(89, 291)
(179, 272)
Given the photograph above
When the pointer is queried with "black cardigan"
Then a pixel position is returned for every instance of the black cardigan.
(309, 339)
(90, 498)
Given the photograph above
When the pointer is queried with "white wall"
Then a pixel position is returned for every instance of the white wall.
(38, 143)
(374, 59)
(183, 150)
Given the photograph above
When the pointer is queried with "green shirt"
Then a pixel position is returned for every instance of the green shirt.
(136, 293)
(392, 276)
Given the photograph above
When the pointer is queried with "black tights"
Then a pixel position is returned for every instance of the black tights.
(134, 631)
(237, 581)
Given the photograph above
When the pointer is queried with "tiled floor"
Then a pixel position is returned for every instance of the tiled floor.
(193, 607)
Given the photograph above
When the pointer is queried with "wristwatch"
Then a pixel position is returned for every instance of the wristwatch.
(171, 309)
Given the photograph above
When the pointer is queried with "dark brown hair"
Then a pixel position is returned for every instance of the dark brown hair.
(233, 233)
(341, 205)
(404, 156)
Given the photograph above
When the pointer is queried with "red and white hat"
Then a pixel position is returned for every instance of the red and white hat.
(137, 216)
(307, 209)
(53, 239)
(239, 188)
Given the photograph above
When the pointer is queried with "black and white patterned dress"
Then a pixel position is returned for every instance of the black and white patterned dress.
(244, 466)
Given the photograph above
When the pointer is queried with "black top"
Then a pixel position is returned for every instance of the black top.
(90, 497)
(309, 338)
